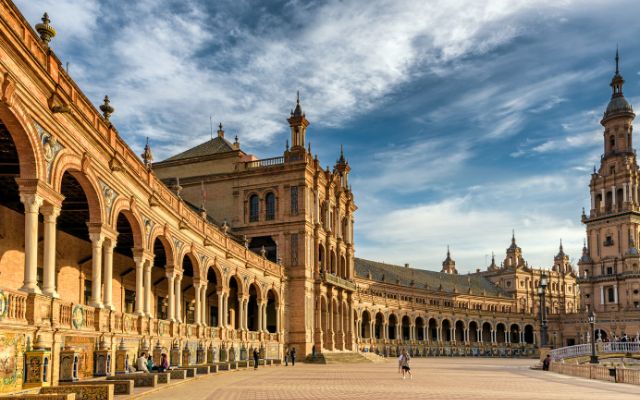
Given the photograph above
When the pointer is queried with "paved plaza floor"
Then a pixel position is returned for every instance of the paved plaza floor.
(434, 378)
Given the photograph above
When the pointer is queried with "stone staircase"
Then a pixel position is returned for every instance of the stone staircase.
(344, 357)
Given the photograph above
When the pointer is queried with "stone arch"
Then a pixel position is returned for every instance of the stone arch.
(473, 331)
(121, 206)
(25, 138)
(459, 328)
(487, 329)
(239, 282)
(71, 163)
(365, 325)
(528, 334)
(158, 233)
(213, 265)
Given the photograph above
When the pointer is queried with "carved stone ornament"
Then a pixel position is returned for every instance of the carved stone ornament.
(148, 226)
(178, 243)
(109, 196)
(50, 147)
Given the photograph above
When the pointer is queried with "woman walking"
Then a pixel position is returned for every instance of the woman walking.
(404, 362)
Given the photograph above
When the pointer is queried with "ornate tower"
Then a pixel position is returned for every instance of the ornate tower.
(449, 265)
(613, 224)
(514, 254)
(298, 123)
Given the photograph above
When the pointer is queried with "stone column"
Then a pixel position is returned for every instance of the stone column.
(107, 248)
(171, 276)
(241, 309)
(32, 203)
(147, 288)
(139, 308)
(246, 314)
(225, 310)
(260, 319)
(221, 313)
(204, 305)
(278, 318)
(51, 214)
(197, 313)
(178, 289)
(96, 269)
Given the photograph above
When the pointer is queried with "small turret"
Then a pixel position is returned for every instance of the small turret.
(449, 265)
(298, 123)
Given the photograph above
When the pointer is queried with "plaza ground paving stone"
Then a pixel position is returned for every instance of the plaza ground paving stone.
(434, 378)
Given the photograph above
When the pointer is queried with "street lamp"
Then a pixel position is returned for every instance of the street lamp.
(592, 322)
(543, 320)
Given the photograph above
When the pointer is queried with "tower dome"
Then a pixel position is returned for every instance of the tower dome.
(618, 105)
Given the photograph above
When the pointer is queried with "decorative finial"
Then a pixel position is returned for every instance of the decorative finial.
(220, 130)
(147, 156)
(298, 95)
(236, 140)
(287, 145)
(448, 252)
(561, 245)
(177, 187)
(309, 147)
(106, 108)
(617, 61)
(46, 31)
(513, 236)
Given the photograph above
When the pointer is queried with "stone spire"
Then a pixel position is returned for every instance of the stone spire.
(618, 105)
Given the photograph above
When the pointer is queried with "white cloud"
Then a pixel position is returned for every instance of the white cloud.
(343, 56)
(421, 233)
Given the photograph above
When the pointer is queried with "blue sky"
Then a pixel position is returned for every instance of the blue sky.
(462, 120)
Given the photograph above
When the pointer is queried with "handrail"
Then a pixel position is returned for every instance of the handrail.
(581, 350)
(265, 162)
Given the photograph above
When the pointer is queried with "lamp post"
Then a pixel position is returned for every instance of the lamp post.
(592, 322)
(543, 319)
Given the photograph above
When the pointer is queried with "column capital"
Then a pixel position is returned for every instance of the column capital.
(50, 212)
(32, 202)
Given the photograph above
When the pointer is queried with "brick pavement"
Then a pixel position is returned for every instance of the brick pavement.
(434, 378)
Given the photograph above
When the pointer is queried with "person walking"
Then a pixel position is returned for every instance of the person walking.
(256, 358)
(406, 369)
(293, 356)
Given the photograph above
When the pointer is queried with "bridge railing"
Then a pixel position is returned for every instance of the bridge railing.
(582, 350)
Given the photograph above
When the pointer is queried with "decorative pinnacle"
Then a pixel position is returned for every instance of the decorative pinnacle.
(617, 60)
(46, 31)
(106, 108)
(147, 156)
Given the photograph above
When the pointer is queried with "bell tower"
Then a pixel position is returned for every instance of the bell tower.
(613, 222)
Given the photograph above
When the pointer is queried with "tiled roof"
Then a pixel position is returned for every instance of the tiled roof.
(395, 274)
(216, 145)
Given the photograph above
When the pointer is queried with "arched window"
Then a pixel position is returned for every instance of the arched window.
(254, 208)
(270, 204)
(612, 142)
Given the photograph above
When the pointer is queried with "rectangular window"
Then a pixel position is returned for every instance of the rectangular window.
(161, 307)
(609, 270)
(129, 301)
(87, 291)
(294, 200)
(190, 312)
(610, 295)
(294, 248)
